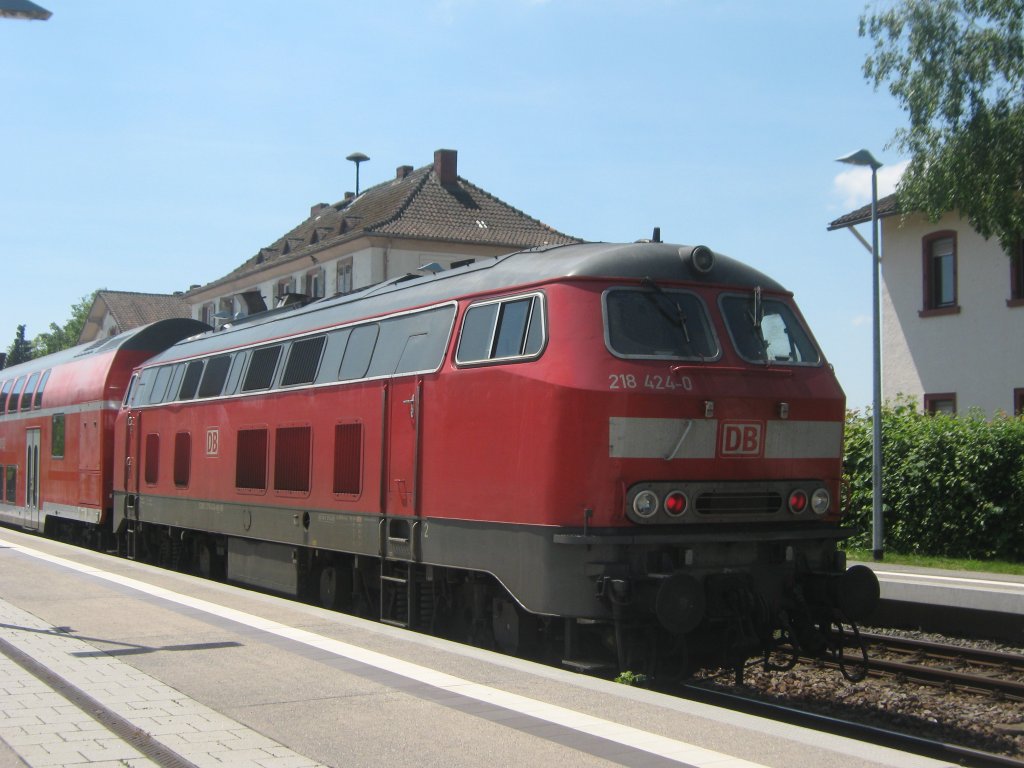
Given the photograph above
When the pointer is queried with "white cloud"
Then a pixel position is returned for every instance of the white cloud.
(854, 184)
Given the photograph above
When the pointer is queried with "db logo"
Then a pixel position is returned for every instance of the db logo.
(741, 438)
(212, 442)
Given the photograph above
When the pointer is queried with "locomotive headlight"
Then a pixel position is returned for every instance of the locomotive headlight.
(676, 504)
(645, 504)
(797, 501)
(820, 501)
(702, 258)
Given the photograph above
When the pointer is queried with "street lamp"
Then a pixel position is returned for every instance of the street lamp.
(863, 157)
(357, 158)
(23, 9)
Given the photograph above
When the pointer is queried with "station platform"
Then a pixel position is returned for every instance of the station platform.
(963, 603)
(109, 662)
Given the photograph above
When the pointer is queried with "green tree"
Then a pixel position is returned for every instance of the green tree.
(20, 350)
(957, 69)
(65, 336)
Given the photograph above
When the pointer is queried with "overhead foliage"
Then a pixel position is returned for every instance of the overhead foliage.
(20, 350)
(65, 336)
(957, 69)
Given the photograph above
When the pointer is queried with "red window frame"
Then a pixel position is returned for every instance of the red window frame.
(931, 302)
(933, 401)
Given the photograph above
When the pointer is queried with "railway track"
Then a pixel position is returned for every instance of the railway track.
(974, 670)
(901, 740)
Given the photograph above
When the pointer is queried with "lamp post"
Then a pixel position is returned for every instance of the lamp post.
(863, 157)
(357, 158)
(23, 9)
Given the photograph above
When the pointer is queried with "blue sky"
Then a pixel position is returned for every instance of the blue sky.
(151, 146)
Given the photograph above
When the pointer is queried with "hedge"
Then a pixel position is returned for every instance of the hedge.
(952, 486)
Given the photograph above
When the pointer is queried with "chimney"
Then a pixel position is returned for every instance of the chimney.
(316, 209)
(402, 171)
(446, 166)
(349, 196)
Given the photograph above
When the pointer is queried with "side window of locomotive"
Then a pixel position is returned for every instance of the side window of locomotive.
(413, 343)
(303, 361)
(512, 329)
(261, 369)
(158, 391)
(190, 384)
(358, 352)
(57, 436)
(658, 323)
(214, 376)
(767, 330)
(238, 362)
(129, 391)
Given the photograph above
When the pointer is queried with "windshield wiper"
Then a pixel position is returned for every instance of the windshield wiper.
(679, 320)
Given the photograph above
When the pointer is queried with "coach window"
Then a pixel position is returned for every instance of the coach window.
(303, 361)
(152, 464)
(4, 393)
(767, 330)
(182, 459)
(505, 330)
(214, 376)
(29, 393)
(38, 400)
(57, 436)
(261, 369)
(15, 399)
(190, 384)
(12, 484)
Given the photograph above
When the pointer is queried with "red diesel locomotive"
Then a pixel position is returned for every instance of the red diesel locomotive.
(633, 448)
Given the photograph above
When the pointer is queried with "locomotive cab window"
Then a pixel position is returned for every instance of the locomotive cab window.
(767, 330)
(504, 330)
(652, 322)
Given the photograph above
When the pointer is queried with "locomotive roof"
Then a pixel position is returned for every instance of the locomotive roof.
(660, 262)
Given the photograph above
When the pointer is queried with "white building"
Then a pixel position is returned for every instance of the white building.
(952, 313)
(421, 217)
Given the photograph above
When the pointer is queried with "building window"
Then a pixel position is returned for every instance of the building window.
(1018, 402)
(1017, 276)
(315, 283)
(940, 273)
(283, 288)
(207, 312)
(941, 402)
(345, 276)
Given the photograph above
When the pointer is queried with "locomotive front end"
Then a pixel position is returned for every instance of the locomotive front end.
(725, 430)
